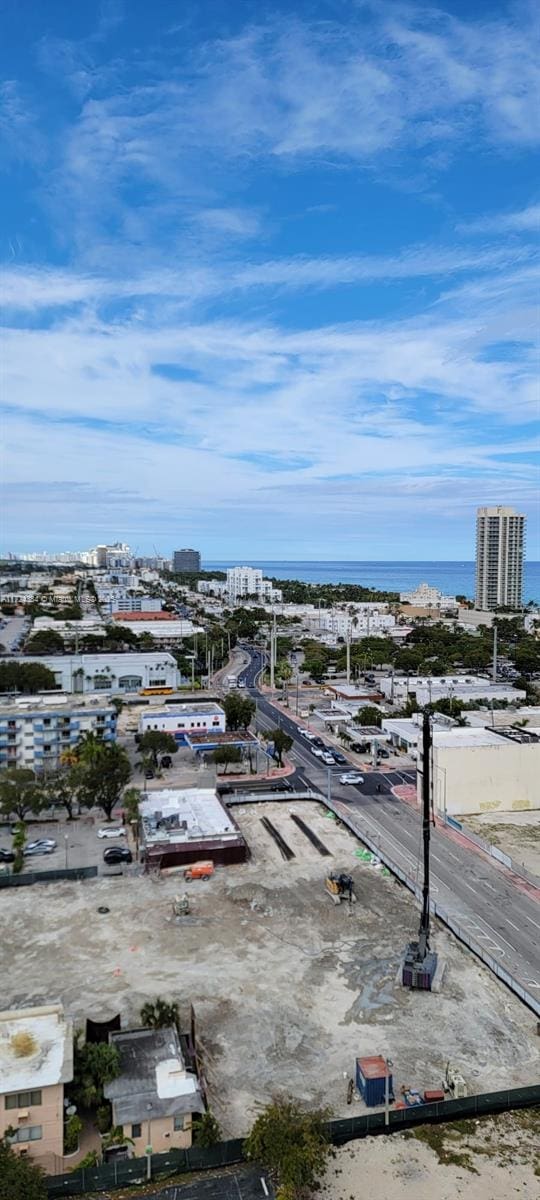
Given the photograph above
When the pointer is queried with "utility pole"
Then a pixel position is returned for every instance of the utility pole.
(494, 652)
(297, 690)
(348, 651)
(272, 651)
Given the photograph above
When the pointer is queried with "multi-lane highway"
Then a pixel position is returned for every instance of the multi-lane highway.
(492, 910)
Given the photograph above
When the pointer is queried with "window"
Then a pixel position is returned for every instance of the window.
(23, 1099)
(27, 1133)
(136, 1130)
(46, 720)
(178, 1122)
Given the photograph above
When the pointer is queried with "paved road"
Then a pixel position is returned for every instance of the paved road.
(11, 631)
(244, 1183)
(480, 896)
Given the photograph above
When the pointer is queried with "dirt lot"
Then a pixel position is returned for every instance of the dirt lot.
(518, 834)
(490, 1159)
(287, 988)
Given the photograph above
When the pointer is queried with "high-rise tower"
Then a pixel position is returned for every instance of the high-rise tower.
(500, 536)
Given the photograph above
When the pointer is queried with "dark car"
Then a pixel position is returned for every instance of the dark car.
(7, 856)
(359, 747)
(149, 774)
(339, 758)
(318, 742)
(166, 761)
(117, 854)
(382, 752)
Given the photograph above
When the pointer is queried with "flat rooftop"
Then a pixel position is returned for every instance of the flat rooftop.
(466, 736)
(183, 709)
(53, 702)
(152, 1072)
(36, 1048)
(184, 816)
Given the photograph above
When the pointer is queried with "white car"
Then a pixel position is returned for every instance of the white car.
(328, 758)
(307, 734)
(318, 753)
(351, 777)
(111, 831)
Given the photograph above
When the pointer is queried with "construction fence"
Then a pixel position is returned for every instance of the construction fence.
(27, 878)
(134, 1170)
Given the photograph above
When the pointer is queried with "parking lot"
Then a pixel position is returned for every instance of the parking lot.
(77, 843)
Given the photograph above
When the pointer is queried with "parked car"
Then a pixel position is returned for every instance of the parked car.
(318, 753)
(111, 831)
(7, 856)
(382, 752)
(317, 741)
(351, 777)
(359, 747)
(149, 773)
(41, 846)
(339, 758)
(166, 761)
(328, 758)
(117, 854)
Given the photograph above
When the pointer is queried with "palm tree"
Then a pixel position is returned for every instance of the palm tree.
(159, 1013)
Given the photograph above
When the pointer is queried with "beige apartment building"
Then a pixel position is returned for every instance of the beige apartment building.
(154, 1096)
(36, 1061)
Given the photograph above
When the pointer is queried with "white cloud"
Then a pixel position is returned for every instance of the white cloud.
(525, 220)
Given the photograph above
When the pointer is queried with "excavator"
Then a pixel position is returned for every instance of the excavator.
(340, 887)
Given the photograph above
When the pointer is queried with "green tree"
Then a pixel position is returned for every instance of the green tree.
(45, 641)
(238, 710)
(158, 1014)
(315, 668)
(95, 1064)
(131, 801)
(20, 793)
(155, 742)
(206, 1130)
(20, 1178)
(26, 677)
(291, 1143)
(368, 716)
(104, 771)
(225, 755)
(282, 743)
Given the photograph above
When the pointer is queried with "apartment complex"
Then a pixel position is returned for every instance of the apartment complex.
(500, 537)
(36, 1060)
(186, 562)
(154, 1096)
(425, 596)
(242, 582)
(35, 731)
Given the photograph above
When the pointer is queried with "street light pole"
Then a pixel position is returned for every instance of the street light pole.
(389, 1064)
(66, 840)
(148, 1144)
(329, 785)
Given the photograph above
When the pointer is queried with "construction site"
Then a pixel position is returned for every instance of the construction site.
(290, 981)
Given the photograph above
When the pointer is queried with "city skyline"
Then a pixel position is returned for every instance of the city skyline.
(269, 279)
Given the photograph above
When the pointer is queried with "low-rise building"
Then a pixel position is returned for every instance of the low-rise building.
(154, 1096)
(242, 583)
(113, 673)
(71, 631)
(483, 770)
(425, 689)
(183, 719)
(123, 600)
(370, 624)
(180, 827)
(36, 1060)
(164, 627)
(35, 731)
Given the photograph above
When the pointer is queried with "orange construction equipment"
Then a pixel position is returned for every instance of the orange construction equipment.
(200, 870)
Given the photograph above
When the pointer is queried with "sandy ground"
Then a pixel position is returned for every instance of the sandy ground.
(287, 988)
(518, 834)
(502, 1157)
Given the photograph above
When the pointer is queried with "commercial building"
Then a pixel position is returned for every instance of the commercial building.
(500, 536)
(183, 719)
(425, 689)
(113, 673)
(35, 731)
(120, 600)
(428, 597)
(183, 826)
(186, 562)
(484, 770)
(36, 1060)
(154, 1096)
(164, 627)
(71, 631)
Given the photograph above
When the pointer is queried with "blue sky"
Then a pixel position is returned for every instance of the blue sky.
(270, 275)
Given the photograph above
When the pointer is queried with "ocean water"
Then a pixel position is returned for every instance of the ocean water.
(452, 578)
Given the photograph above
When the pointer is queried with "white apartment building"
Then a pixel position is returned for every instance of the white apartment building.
(500, 537)
(110, 557)
(241, 583)
(428, 688)
(425, 596)
(112, 673)
(371, 624)
(36, 730)
(484, 770)
(118, 599)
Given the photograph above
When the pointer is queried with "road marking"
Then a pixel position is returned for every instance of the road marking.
(508, 922)
(531, 920)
